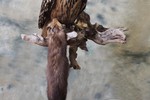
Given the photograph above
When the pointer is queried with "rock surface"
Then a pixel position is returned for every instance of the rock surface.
(111, 72)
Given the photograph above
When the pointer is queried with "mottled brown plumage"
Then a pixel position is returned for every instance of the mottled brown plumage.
(66, 11)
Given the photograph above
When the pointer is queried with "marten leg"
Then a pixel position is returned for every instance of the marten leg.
(82, 45)
(44, 32)
(73, 56)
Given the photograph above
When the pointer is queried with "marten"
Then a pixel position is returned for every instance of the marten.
(57, 67)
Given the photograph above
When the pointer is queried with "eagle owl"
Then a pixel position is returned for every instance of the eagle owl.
(65, 11)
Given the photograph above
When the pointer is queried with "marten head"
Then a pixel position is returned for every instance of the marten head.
(55, 26)
(55, 32)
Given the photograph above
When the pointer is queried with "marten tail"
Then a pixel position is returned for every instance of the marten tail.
(58, 67)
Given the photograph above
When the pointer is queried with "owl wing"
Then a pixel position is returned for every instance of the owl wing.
(46, 8)
(81, 7)
(84, 2)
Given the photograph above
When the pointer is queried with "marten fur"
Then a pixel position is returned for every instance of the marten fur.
(58, 67)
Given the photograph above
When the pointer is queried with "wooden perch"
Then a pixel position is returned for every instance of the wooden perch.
(39, 40)
(112, 35)
(35, 39)
(75, 40)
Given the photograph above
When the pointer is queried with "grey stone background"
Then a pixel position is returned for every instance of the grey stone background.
(111, 72)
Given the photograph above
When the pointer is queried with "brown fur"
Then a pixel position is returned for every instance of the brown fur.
(58, 67)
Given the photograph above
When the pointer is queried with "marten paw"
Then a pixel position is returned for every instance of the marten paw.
(75, 66)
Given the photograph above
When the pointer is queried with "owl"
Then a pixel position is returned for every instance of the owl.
(65, 11)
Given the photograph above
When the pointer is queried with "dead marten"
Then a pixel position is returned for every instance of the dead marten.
(58, 67)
